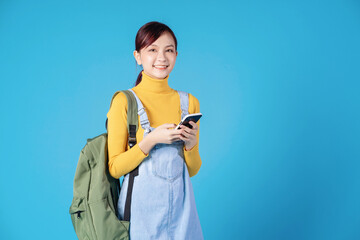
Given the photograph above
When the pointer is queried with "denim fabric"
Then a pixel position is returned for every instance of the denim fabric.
(163, 203)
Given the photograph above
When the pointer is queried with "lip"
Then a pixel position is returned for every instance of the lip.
(163, 67)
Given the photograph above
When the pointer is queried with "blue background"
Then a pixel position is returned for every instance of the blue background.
(277, 81)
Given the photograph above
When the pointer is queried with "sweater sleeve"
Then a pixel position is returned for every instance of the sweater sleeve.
(121, 161)
(192, 156)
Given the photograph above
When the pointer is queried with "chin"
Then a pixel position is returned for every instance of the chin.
(160, 76)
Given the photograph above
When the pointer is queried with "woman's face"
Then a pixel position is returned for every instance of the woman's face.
(159, 58)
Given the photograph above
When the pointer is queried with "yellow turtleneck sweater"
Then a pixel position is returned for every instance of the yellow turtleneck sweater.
(162, 105)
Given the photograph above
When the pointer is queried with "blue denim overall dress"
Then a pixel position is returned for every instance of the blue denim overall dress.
(163, 203)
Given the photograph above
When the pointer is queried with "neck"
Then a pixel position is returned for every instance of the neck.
(154, 85)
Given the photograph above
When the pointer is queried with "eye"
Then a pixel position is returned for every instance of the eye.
(151, 50)
(170, 50)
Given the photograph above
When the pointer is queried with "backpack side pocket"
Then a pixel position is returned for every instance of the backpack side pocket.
(80, 219)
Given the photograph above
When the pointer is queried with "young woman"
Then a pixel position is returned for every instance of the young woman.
(162, 204)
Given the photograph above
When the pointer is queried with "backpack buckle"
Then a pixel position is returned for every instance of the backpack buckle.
(132, 141)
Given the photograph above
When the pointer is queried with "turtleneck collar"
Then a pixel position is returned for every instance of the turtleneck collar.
(153, 85)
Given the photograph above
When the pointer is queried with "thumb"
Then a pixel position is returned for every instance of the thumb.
(169, 125)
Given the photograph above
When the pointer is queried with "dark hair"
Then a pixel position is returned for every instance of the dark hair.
(148, 34)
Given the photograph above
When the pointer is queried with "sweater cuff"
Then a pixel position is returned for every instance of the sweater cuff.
(193, 160)
(138, 149)
(190, 149)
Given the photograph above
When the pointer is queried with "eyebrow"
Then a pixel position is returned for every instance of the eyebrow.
(165, 46)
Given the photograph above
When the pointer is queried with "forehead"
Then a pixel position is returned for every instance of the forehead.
(165, 40)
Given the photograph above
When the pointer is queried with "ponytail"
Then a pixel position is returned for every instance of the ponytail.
(139, 78)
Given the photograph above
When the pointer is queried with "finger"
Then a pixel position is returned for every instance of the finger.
(175, 133)
(195, 126)
(191, 124)
(184, 138)
(188, 135)
(169, 125)
(189, 130)
(184, 128)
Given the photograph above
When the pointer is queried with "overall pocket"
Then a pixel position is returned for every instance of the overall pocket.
(168, 161)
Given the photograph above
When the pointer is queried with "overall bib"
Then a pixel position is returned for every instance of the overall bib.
(163, 203)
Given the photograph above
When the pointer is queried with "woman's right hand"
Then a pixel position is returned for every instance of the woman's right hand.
(165, 133)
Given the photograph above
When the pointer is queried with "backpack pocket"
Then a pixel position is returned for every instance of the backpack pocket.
(106, 224)
(80, 220)
(96, 220)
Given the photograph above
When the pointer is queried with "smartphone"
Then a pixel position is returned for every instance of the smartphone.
(189, 117)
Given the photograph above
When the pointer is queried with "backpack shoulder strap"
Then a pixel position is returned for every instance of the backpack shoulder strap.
(132, 116)
(133, 125)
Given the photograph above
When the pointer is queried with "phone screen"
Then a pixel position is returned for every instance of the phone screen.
(186, 122)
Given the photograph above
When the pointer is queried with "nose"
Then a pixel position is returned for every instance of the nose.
(161, 56)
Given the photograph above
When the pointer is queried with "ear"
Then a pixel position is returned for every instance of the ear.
(137, 57)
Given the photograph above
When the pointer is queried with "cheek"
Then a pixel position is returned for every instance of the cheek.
(148, 59)
(172, 60)
(172, 57)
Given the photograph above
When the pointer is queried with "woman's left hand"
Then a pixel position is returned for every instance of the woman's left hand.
(188, 135)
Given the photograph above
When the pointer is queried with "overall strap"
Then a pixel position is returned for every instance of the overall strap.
(144, 121)
(184, 103)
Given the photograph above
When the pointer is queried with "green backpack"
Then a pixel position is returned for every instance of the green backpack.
(93, 209)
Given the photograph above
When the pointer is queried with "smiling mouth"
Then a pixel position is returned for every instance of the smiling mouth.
(161, 67)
